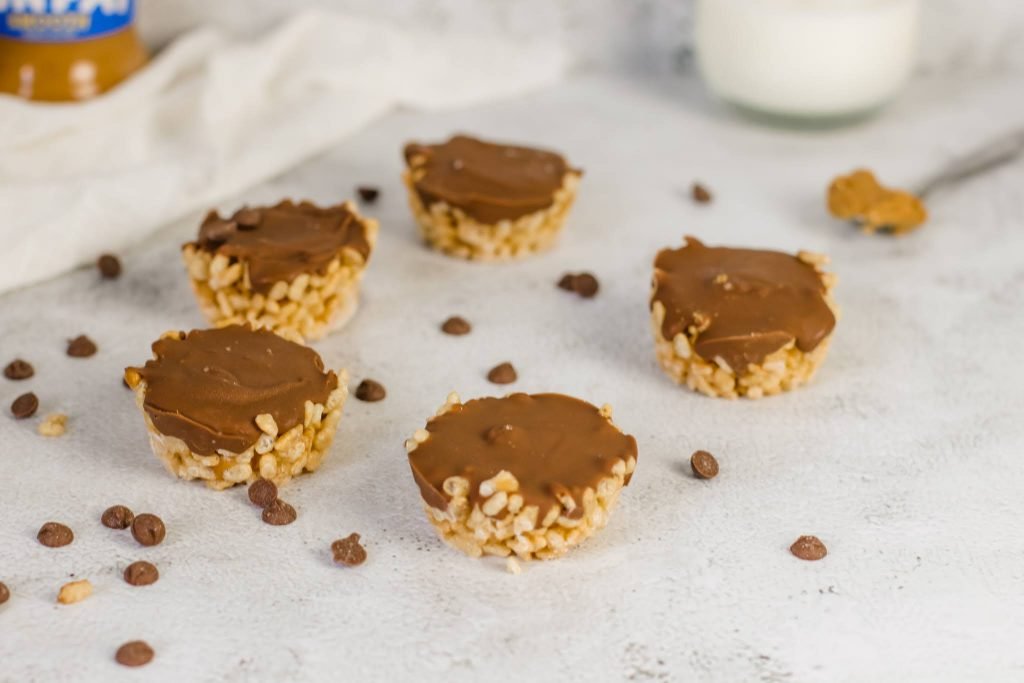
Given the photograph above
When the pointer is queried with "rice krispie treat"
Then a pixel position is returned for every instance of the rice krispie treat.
(485, 201)
(532, 475)
(292, 268)
(232, 404)
(741, 322)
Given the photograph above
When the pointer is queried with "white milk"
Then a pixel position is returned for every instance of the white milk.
(814, 59)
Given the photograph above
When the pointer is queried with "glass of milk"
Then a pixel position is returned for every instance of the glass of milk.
(813, 61)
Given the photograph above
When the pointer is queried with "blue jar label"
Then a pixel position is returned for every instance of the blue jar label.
(62, 21)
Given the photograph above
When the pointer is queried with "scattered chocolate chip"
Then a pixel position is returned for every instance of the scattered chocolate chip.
(369, 390)
(247, 218)
(279, 513)
(19, 369)
(700, 194)
(148, 529)
(263, 492)
(502, 374)
(141, 573)
(25, 406)
(348, 551)
(134, 653)
(117, 517)
(110, 266)
(704, 465)
(55, 535)
(81, 347)
(368, 193)
(5, 593)
(584, 284)
(808, 548)
(456, 325)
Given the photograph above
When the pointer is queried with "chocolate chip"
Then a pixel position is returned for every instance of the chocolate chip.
(141, 573)
(584, 284)
(19, 369)
(135, 653)
(348, 551)
(117, 517)
(110, 266)
(148, 529)
(369, 390)
(247, 219)
(5, 593)
(502, 374)
(263, 492)
(456, 325)
(808, 548)
(25, 406)
(81, 347)
(704, 465)
(368, 193)
(279, 513)
(700, 194)
(55, 535)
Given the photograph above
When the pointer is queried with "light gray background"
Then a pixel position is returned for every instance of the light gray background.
(632, 35)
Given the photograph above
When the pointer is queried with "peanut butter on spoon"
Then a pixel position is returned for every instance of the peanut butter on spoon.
(861, 198)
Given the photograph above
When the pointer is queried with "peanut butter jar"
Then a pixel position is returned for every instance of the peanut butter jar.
(67, 50)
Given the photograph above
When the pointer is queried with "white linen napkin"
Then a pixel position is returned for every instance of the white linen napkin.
(211, 116)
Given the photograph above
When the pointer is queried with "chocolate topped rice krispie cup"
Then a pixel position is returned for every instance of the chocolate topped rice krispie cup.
(292, 268)
(485, 201)
(531, 475)
(741, 322)
(231, 405)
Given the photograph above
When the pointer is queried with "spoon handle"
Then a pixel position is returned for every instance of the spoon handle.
(1002, 150)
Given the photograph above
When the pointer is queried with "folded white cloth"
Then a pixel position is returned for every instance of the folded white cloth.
(209, 117)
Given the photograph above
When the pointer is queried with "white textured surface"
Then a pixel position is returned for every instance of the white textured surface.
(904, 456)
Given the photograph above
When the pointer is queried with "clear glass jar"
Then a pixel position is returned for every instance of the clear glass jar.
(810, 61)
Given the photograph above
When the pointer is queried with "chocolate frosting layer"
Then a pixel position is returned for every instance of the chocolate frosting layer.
(746, 303)
(548, 441)
(283, 241)
(207, 387)
(489, 182)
